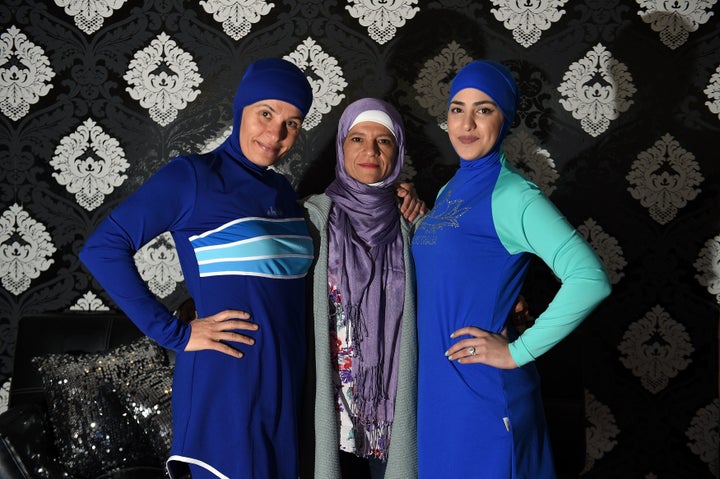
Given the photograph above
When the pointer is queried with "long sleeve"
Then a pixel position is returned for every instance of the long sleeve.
(545, 232)
(164, 201)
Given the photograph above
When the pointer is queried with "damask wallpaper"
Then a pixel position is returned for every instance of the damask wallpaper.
(619, 123)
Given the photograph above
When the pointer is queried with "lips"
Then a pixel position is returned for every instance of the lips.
(267, 148)
(368, 165)
(467, 140)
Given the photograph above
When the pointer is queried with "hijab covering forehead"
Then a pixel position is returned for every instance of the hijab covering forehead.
(365, 108)
(496, 81)
(270, 79)
(366, 251)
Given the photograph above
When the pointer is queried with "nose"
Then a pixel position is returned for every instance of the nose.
(468, 122)
(277, 130)
(371, 148)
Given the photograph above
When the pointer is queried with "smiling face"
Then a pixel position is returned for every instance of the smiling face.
(370, 152)
(268, 129)
(474, 123)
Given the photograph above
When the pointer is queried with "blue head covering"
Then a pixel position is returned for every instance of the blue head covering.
(496, 81)
(269, 79)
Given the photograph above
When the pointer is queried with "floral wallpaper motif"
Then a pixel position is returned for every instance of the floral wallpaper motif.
(90, 164)
(527, 20)
(597, 89)
(618, 123)
(89, 302)
(25, 74)
(432, 87)
(158, 265)
(675, 20)
(606, 247)
(326, 78)
(26, 249)
(656, 348)
(163, 78)
(381, 17)
(703, 435)
(708, 266)
(237, 18)
(664, 178)
(90, 16)
(527, 154)
(601, 435)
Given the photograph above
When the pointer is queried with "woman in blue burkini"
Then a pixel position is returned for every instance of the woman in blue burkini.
(480, 412)
(244, 249)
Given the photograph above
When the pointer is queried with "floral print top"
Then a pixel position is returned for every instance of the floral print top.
(364, 440)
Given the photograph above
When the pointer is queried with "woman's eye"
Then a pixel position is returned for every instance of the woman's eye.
(265, 114)
(455, 110)
(293, 124)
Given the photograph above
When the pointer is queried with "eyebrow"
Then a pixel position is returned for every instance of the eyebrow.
(351, 133)
(364, 134)
(265, 105)
(481, 102)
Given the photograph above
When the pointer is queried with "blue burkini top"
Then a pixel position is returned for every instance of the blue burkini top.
(242, 243)
(471, 255)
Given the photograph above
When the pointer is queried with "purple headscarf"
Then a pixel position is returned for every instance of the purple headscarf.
(366, 248)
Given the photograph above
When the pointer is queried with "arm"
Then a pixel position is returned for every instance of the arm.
(542, 230)
(584, 279)
(159, 205)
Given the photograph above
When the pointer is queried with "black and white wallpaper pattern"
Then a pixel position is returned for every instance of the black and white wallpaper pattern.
(619, 124)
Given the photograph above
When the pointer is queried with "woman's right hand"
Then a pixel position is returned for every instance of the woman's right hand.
(214, 332)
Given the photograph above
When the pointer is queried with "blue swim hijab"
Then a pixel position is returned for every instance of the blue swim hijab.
(496, 80)
(269, 79)
(274, 79)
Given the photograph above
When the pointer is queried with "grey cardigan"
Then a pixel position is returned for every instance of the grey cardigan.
(320, 437)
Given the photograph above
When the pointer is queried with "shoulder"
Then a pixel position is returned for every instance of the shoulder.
(518, 204)
(186, 167)
(316, 209)
(513, 190)
(317, 205)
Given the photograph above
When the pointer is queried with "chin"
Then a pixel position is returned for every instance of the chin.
(264, 161)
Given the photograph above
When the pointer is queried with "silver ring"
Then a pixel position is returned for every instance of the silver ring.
(471, 350)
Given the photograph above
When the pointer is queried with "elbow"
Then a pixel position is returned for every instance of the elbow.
(605, 288)
(83, 256)
(86, 256)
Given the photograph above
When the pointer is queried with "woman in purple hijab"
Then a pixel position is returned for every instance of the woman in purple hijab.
(361, 380)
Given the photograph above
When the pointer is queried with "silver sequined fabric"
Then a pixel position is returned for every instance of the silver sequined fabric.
(93, 431)
(148, 398)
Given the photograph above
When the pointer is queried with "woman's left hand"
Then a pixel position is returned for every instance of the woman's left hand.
(483, 347)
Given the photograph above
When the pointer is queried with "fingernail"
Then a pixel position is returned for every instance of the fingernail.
(450, 358)
(446, 352)
(452, 335)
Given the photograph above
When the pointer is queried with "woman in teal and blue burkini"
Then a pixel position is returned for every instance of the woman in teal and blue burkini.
(480, 414)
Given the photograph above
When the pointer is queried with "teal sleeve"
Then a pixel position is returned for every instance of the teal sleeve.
(544, 231)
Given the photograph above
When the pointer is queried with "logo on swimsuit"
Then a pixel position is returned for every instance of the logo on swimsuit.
(273, 212)
(445, 214)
